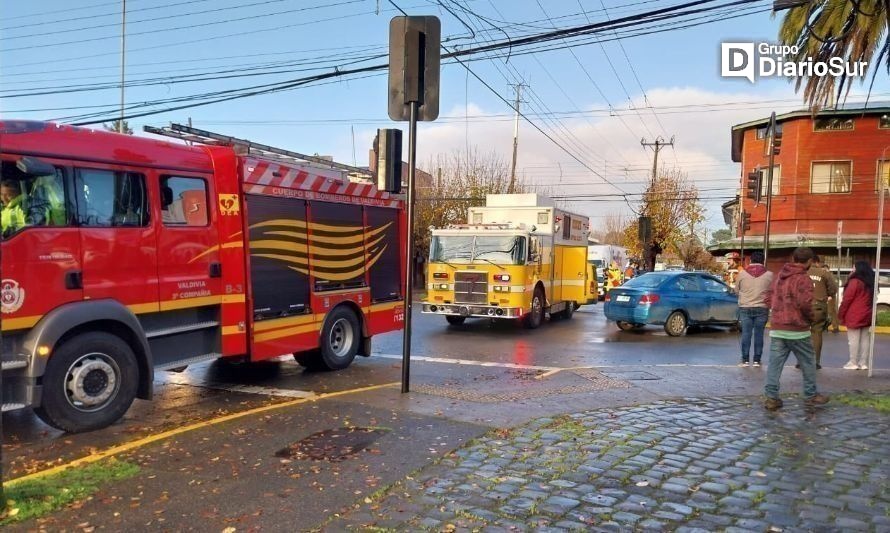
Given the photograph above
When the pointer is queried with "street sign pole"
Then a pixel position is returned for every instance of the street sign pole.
(769, 185)
(876, 289)
(409, 257)
(414, 60)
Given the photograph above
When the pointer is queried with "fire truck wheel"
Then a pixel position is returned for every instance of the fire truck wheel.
(89, 383)
(534, 317)
(340, 339)
(568, 312)
(455, 320)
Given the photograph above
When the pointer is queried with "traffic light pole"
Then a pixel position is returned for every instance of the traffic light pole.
(769, 186)
(742, 244)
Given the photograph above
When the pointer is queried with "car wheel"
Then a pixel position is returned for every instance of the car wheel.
(675, 325)
(625, 326)
(89, 383)
(534, 318)
(455, 320)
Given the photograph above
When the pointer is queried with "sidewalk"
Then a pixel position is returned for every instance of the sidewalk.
(690, 465)
(532, 448)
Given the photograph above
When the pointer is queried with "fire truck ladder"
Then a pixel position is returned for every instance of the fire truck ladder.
(245, 147)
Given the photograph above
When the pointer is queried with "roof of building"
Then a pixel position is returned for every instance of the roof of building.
(738, 131)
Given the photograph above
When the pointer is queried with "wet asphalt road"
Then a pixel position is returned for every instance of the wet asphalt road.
(589, 340)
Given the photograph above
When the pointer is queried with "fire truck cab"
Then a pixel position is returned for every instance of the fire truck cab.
(122, 255)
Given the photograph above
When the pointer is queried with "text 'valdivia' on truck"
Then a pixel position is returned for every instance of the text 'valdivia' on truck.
(123, 255)
(517, 258)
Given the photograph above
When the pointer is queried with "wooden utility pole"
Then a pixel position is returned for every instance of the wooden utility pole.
(518, 88)
(656, 146)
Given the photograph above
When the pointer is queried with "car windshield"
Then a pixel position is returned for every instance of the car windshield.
(506, 249)
(646, 281)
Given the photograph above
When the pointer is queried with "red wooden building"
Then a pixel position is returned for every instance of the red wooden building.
(827, 172)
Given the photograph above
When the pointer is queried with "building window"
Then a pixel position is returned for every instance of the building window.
(828, 177)
(884, 122)
(833, 124)
(777, 178)
(883, 174)
(763, 131)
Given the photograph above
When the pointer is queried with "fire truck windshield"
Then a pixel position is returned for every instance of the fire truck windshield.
(501, 249)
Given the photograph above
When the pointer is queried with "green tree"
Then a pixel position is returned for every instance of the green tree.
(855, 30)
(114, 126)
(675, 209)
(720, 235)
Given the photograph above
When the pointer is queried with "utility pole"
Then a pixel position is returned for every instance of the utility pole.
(656, 146)
(518, 88)
(773, 144)
(120, 125)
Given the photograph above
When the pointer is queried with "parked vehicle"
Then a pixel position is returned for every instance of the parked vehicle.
(675, 300)
(517, 258)
(602, 256)
(148, 255)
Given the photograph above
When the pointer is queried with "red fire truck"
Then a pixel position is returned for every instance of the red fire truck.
(124, 255)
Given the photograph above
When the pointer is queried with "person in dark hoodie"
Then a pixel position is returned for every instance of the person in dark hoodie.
(791, 302)
(753, 284)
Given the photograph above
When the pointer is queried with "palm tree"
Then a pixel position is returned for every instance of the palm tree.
(855, 30)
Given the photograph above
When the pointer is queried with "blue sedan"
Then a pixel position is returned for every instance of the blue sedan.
(675, 300)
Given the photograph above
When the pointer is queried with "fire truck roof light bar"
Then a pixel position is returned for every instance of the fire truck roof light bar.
(187, 133)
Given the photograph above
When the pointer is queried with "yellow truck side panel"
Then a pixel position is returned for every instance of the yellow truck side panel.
(574, 269)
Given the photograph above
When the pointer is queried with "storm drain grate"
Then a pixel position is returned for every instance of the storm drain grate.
(631, 375)
(332, 445)
(594, 382)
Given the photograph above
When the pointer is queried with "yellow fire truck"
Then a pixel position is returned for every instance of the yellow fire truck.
(518, 257)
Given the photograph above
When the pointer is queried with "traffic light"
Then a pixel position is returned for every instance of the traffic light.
(746, 222)
(777, 141)
(753, 186)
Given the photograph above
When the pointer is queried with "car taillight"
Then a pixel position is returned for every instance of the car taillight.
(608, 297)
(440, 275)
(502, 277)
(649, 298)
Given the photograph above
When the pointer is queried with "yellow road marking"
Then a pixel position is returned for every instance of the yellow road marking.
(121, 448)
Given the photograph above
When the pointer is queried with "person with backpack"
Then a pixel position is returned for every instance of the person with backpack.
(791, 303)
(855, 313)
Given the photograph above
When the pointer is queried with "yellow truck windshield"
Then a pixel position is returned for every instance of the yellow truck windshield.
(499, 249)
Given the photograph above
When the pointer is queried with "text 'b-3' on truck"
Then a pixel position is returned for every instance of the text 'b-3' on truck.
(123, 255)
(516, 258)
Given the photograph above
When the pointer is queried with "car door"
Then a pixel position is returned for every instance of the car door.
(686, 293)
(722, 303)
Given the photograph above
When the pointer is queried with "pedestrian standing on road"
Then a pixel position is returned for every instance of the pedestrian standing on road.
(791, 303)
(855, 313)
(824, 287)
(753, 284)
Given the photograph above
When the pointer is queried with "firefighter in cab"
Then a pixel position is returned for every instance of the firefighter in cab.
(733, 263)
(613, 276)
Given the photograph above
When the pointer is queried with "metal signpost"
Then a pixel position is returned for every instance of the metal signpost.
(413, 95)
(771, 146)
(880, 243)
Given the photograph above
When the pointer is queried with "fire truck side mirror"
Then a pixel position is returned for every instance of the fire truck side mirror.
(388, 149)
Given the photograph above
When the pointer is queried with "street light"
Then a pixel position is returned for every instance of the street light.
(876, 288)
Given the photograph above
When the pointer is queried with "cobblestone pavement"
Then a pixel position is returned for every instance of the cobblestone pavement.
(690, 465)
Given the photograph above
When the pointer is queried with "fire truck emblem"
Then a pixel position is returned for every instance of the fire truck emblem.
(228, 204)
(12, 296)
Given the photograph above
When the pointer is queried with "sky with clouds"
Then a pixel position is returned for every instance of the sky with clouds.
(596, 100)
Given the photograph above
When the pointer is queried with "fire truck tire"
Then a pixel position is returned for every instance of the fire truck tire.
(340, 339)
(536, 315)
(455, 320)
(568, 312)
(89, 383)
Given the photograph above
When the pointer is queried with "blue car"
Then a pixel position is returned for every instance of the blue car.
(675, 300)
